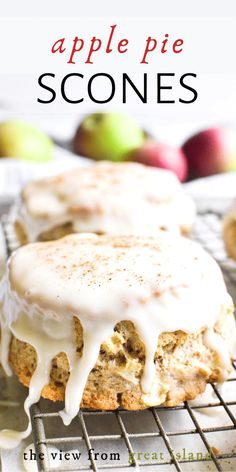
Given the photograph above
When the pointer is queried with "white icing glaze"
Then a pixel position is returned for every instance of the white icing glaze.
(121, 198)
(161, 284)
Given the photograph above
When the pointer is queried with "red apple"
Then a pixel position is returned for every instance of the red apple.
(156, 154)
(211, 152)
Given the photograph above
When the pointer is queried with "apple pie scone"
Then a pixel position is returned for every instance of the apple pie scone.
(109, 321)
(104, 198)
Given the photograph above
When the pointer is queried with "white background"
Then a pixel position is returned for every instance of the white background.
(28, 30)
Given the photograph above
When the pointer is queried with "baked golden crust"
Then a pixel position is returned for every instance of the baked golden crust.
(184, 365)
(21, 235)
(229, 235)
(56, 232)
(65, 229)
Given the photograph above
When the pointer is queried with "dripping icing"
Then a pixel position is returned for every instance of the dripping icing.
(51, 330)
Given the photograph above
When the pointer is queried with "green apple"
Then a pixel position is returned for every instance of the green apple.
(107, 136)
(24, 141)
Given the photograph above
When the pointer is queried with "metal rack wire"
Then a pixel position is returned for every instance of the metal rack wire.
(154, 429)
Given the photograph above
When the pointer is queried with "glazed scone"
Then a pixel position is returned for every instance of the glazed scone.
(105, 321)
(229, 232)
(104, 198)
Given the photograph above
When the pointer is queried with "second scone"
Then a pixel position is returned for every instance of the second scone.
(104, 198)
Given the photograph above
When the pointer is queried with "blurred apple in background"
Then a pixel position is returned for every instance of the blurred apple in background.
(107, 136)
(211, 152)
(24, 141)
(161, 155)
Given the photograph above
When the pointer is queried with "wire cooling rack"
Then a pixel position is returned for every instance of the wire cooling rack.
(180, 438)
